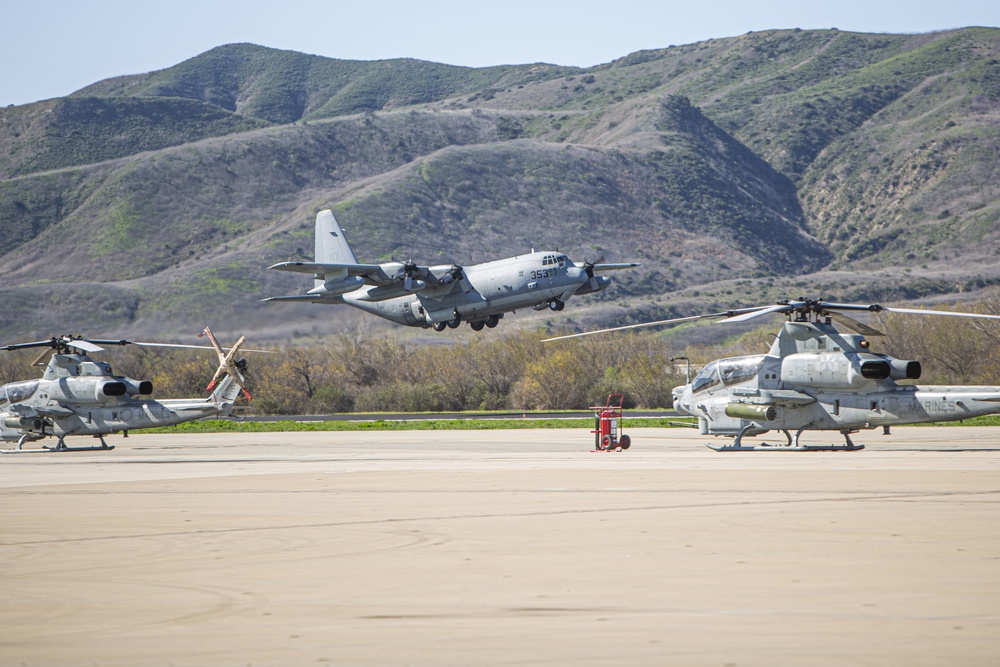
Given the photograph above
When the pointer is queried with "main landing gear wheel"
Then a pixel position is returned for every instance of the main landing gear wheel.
(556, 304)
(477, 326)
(455, 322)
(493, 321)
(439, 326)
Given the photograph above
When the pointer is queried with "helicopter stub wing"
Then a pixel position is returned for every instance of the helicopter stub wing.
(790, 397)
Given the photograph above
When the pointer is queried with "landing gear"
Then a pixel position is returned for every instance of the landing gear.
(557, 304)
(493, 321)
(439, 326)
(453, 324)
(60, 446)
(792, 444)
(477, 326)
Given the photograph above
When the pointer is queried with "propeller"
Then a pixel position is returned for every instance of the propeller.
(588, 268)
(457, 273)
(408, 270)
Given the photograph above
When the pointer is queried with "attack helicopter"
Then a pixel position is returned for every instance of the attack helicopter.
(79, 396)
(816, 378)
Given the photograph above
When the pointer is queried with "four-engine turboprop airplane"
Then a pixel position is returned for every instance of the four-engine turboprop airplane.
(446, 295)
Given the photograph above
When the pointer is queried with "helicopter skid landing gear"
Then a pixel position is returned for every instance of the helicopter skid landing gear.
(60, 446)
(793, 444)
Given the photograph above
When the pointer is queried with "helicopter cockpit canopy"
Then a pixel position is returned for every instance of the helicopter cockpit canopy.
(706, 378)
(740, 369)
(15, 392)
(728, 372)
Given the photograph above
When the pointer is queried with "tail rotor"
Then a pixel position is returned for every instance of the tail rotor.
(228, 363)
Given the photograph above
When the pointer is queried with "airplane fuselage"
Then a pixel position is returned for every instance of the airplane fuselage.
(533, 280)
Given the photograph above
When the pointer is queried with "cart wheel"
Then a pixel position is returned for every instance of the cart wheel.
(605, 442)
(624, 442)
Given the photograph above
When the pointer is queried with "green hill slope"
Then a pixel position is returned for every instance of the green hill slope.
(733, 169)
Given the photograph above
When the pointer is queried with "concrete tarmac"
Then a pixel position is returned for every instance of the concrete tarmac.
(502, 548)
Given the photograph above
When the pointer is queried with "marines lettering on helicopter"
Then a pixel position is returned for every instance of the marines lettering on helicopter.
(446, 295)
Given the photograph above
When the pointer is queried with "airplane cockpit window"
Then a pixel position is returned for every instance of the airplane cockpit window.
(739, 369)
(16, 392)
(563, 260)
(706, 378)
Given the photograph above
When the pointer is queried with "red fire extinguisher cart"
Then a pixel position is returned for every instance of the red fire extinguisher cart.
(608, 425)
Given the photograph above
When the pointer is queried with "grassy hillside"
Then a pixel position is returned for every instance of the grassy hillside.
(738, 169)
(286, 86)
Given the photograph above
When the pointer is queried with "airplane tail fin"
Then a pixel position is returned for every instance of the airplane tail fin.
(331, 244)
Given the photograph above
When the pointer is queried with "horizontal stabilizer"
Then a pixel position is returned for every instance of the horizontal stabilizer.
(314, 268)
(307, 298)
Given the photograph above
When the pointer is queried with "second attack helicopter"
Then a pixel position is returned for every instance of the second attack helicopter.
(79, 396)
(817, 378)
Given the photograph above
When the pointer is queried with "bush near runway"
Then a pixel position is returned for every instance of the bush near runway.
(236, 426)
(358, 371)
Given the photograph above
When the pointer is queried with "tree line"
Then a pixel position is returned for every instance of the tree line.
(361, 371)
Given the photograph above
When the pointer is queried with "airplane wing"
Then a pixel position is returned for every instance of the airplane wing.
(615, 267)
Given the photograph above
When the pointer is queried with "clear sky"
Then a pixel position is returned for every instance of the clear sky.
(50, 49)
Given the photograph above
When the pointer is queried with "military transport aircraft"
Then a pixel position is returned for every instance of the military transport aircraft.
(446, 295)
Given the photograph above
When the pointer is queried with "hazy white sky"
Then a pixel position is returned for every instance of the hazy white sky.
(50, 49)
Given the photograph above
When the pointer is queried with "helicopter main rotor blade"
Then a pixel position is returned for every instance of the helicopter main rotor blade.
(676, 320)
(191, 347)
(854, 325)
(948, 313)
(752, 313)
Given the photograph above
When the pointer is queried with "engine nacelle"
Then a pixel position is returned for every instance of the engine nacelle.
(901, 369)
(137, 387)
(336, 287)
(392, 291)
(598, 284)
(88, 390)
(834, 370)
